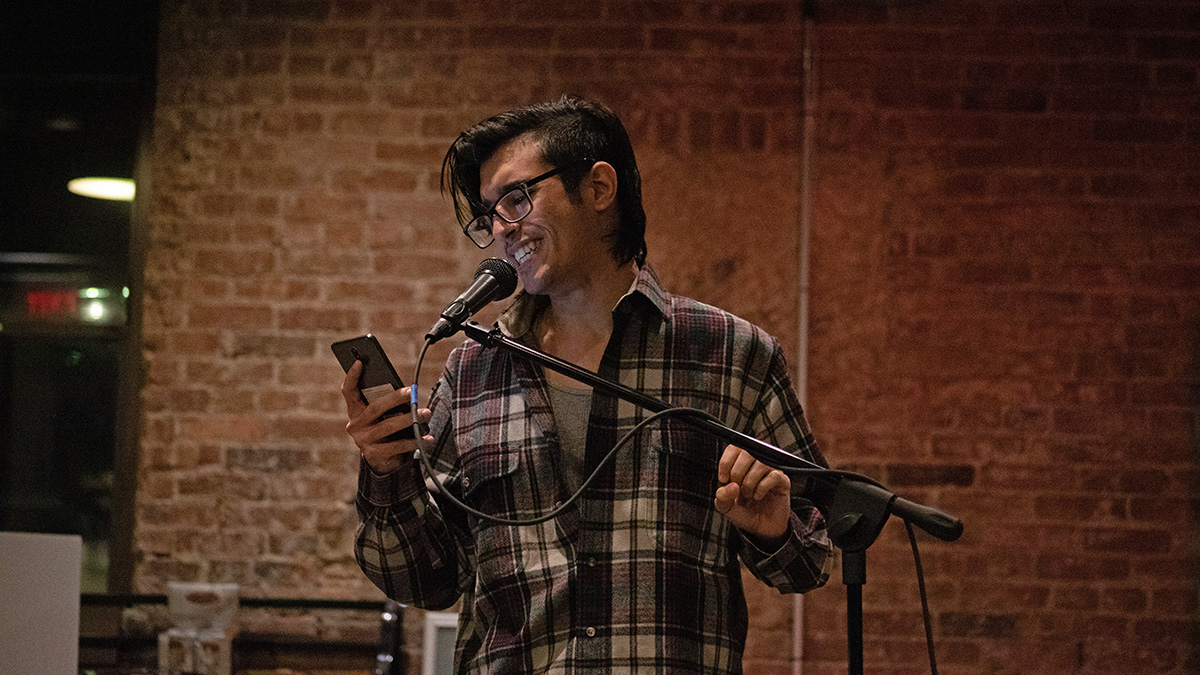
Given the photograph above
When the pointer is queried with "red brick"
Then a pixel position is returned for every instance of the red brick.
(290, 9)
(320, 319)
(1180, 600)
(230, 316)
(961, 624)
(177, 400)
(1174, 74)
(193, 342)
(382, 180)
(283, 122)
(279, 401)
(270, 346)
(1163, 630)
(275, 288)
(1141, 130)
(1026, 477)
(1124, 600)
(1011, 596)
(421, 38)
(329, 93)
(241, 428)
(295, 427)
(961, 475)
(234, 261)
(1147, 481)
(1129, 541)
(1124, 17)
(306, 64)
(1076, 598)
(268, 176)
(1160, 509)
(235, 401)
(1081, 568)
(327, 261)
(1071, 625)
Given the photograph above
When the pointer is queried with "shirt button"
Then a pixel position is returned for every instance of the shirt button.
(591, 562)
(466, 482)
(591, 632)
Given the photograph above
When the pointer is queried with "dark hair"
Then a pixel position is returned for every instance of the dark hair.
(569, 129)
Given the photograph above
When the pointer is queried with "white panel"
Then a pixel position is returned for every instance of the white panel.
(441, 632)
(39, 594)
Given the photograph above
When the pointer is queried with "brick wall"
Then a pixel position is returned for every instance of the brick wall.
(295, 202)
(1005, 286)
(1006, 290)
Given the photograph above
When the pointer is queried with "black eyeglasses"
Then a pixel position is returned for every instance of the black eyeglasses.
(512, 207)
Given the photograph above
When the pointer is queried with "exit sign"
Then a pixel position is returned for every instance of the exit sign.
(43, 303)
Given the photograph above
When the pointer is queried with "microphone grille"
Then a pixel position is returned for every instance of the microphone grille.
(503, 271)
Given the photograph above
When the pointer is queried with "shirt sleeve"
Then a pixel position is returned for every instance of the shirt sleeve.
(405, 544)
(803, 561)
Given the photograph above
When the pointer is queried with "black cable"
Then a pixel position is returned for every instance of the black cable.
(912, 539)
(422, 451)
(441, 489)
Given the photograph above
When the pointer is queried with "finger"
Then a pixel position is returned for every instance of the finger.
(369, 427)
(388, 401)
(728, 457)
(385, 457)
(776, 482)
(740, 466)
(726, 498)
(751, 482)
(354, 402)
(376, 433)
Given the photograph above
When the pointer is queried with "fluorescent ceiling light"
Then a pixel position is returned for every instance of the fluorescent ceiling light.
(120, 189)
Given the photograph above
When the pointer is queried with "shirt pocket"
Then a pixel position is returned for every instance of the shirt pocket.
(489, 483)
(488, 477)
(682, 484)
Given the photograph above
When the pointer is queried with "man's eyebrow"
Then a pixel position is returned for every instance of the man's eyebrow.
(512, 185)
(504, 189)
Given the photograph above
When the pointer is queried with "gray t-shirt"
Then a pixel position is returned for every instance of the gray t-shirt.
(572, 408)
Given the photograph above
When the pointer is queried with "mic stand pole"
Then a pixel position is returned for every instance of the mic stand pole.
(856, 508)
(856, 515)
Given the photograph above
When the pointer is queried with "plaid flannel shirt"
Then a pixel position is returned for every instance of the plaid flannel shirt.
(642, 572)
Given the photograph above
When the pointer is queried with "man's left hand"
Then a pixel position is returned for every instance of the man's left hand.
(754, 497)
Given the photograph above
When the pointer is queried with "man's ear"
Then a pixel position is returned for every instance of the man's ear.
(603, 188)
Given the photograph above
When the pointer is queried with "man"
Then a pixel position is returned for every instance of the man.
(641, 573)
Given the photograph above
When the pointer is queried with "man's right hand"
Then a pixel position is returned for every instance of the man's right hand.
(368, 430)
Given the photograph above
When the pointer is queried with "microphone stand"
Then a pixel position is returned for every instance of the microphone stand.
(856, 507)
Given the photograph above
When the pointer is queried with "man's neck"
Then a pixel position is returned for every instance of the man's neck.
(578, 323)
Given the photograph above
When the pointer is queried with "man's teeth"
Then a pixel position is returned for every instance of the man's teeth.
(522, 254)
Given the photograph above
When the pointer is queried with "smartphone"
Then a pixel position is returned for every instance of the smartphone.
(378, 377)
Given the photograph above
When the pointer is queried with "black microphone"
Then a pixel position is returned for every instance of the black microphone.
(495, 279)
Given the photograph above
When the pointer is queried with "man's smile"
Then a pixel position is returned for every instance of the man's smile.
(525, 250)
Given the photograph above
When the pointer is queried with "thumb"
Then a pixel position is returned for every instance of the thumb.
(726, 498)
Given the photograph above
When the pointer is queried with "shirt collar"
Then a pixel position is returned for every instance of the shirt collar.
(518, 320)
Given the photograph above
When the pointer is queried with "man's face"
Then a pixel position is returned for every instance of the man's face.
(558, 246)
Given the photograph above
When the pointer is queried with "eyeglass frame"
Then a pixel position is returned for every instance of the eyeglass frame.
(523, 186)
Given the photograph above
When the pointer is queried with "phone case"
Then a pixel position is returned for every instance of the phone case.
(378, 377)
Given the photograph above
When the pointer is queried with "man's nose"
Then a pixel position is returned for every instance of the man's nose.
(501, 228)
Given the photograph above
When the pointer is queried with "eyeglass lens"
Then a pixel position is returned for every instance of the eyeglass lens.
(512, 207)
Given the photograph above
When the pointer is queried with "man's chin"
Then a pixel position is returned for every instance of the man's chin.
(532, 280)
